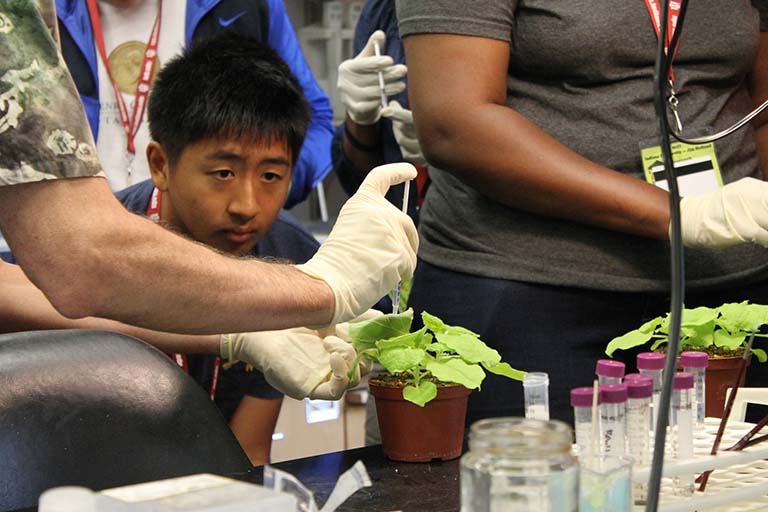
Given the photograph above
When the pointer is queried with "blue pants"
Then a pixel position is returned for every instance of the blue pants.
(559, 330)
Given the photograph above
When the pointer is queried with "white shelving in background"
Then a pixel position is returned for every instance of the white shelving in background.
(325, 29)
(325, 44)
(325, 48)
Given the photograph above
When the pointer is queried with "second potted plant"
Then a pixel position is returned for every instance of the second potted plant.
(721, 332)
(421, 399)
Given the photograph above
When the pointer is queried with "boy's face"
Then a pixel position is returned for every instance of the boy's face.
(224, 193)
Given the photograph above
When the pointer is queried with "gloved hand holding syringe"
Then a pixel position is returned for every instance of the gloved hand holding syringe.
(406, 185)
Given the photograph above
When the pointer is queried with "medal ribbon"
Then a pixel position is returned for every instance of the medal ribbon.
(153, 212)
(131, 126)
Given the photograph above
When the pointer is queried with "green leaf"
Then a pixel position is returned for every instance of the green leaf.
(698, 316)
(728, 340)
(471, 348)
(422, 394)
(505, 370)
(437, 347)
(630, 340)
(365, 334)
(433, 323)
(760, 354)
(401, 359)
(412, 339)
(457, 371)
(426, 341)
(651, 325)
(659, 342)
(698, 340)
(371, 353)
(742, 316)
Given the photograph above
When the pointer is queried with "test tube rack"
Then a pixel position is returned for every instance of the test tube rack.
(739, 482)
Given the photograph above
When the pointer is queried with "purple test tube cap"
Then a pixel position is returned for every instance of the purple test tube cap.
(683, 380)
(692, 359)
(582, 397)
(650, 361)
(639, 385)
(613, 393)
(609, 368)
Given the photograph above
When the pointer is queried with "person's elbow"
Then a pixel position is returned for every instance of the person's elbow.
(440, 139)
(78, 282)
(81, 291)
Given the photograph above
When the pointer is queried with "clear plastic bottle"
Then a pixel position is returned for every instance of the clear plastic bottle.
(581, 401)
(696, 364)
(613, 419)
(639, 392)
(681, 430)
(609, 371)
(536, 395)
(519, 464)
(652, 364)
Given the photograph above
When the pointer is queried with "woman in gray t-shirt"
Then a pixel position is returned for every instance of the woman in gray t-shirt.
(540, 231)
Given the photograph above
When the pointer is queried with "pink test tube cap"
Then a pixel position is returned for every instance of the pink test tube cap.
(613, 393)
(683, 380)
(639, 385)
(609, 368)
(693, 359)
(650, 361)
(582, 397)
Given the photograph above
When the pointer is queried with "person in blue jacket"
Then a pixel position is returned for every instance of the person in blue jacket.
(182, 23)
(220, 159)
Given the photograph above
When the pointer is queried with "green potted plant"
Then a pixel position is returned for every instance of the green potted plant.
(421, 398)
(721, 332)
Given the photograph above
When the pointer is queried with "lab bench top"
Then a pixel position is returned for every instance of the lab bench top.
(396, 486)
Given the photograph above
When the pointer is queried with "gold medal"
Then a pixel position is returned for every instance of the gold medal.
(125, 64)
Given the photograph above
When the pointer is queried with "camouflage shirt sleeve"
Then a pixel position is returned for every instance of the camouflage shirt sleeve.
(44, 133)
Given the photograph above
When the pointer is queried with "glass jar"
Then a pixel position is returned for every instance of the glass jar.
(519, 464)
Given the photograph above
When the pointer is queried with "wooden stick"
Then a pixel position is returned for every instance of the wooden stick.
(746, 438)
(729, 406)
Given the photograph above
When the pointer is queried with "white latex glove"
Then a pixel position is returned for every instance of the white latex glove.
(371, 247)
(299, 362)
(734, 214)
(358, 81)
(405, 132)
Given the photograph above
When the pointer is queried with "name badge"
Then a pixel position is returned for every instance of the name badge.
(696, 166)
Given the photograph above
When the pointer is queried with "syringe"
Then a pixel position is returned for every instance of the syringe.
(396, 293)
(377, 51)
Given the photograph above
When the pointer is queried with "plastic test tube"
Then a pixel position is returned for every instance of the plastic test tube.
(639, 391)
(536, 394)
(652, 364)
(581, 401)
(681, 430)
(696, 363)
(609, 372)
(613, 418)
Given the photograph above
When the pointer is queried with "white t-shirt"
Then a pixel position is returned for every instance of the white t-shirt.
(126, 32)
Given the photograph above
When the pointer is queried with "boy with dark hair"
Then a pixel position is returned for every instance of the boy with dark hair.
(228, 119)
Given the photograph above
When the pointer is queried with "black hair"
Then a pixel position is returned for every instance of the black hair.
(228, 86)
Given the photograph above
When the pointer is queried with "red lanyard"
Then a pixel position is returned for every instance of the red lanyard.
(654, 9)
(131, 126)
(153, 212)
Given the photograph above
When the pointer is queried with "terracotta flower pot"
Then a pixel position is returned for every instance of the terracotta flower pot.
(720, 376)
(419, 434)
